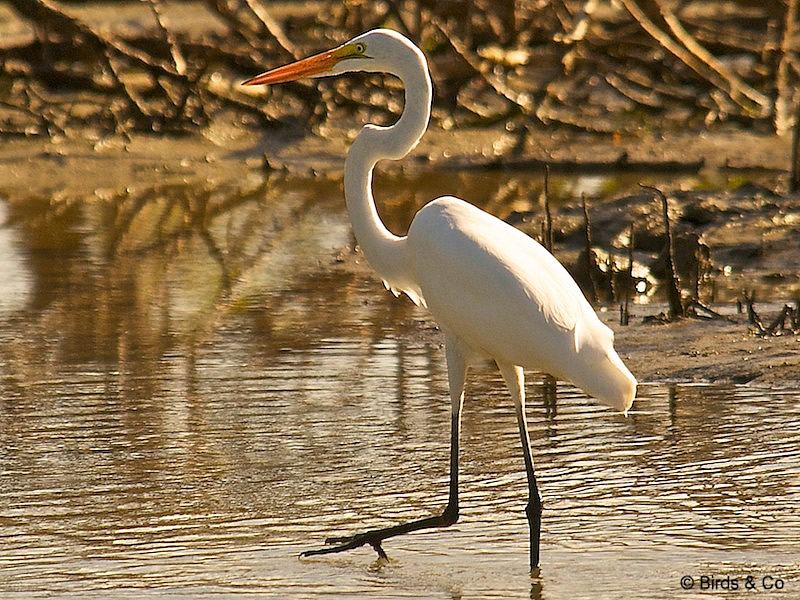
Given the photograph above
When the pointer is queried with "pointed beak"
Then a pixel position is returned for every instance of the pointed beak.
(308, 67)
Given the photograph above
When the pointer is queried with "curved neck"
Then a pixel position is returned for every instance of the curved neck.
(382, 249)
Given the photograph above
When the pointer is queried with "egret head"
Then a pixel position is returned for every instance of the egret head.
(611, 382)
(373, 51)
(597, 368)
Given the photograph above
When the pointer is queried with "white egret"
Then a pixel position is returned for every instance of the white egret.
(494, 291)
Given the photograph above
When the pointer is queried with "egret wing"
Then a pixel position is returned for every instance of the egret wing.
(493, 286)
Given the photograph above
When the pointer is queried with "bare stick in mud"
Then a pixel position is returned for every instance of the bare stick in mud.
(779, 323)
(673, 285)
(624, 313)
(752, 315)
(709, 312)
(591, 263)
(547, 237)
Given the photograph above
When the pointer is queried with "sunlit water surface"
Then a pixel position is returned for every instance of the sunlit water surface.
(194, 389)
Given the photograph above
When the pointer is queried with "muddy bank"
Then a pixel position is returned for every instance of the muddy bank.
(707, 351)
(224, 153)
(738, 226)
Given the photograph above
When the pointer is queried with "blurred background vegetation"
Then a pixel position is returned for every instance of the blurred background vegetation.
(597, 65)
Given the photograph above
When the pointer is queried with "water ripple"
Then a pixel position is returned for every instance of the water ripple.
(146, 449)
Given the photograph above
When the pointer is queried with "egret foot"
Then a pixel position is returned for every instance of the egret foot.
(376, 536)
(340, 544)
(534, 514)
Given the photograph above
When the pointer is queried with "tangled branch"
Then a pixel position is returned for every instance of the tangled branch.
(591, 65)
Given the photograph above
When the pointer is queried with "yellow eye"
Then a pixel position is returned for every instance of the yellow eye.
(361, 48)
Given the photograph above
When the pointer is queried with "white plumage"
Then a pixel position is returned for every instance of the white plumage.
(507, 298)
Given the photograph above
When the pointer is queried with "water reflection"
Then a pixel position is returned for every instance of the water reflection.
(193, 389)
(16, 280)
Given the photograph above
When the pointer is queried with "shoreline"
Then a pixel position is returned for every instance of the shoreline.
(689, 350)
(224, 154)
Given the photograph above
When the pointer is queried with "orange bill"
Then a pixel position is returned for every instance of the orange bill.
(313, 65)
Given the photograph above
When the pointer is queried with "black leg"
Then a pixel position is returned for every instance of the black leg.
(515, 380)
(456, 374)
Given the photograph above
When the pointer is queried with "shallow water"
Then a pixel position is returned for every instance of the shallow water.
(193, 389)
